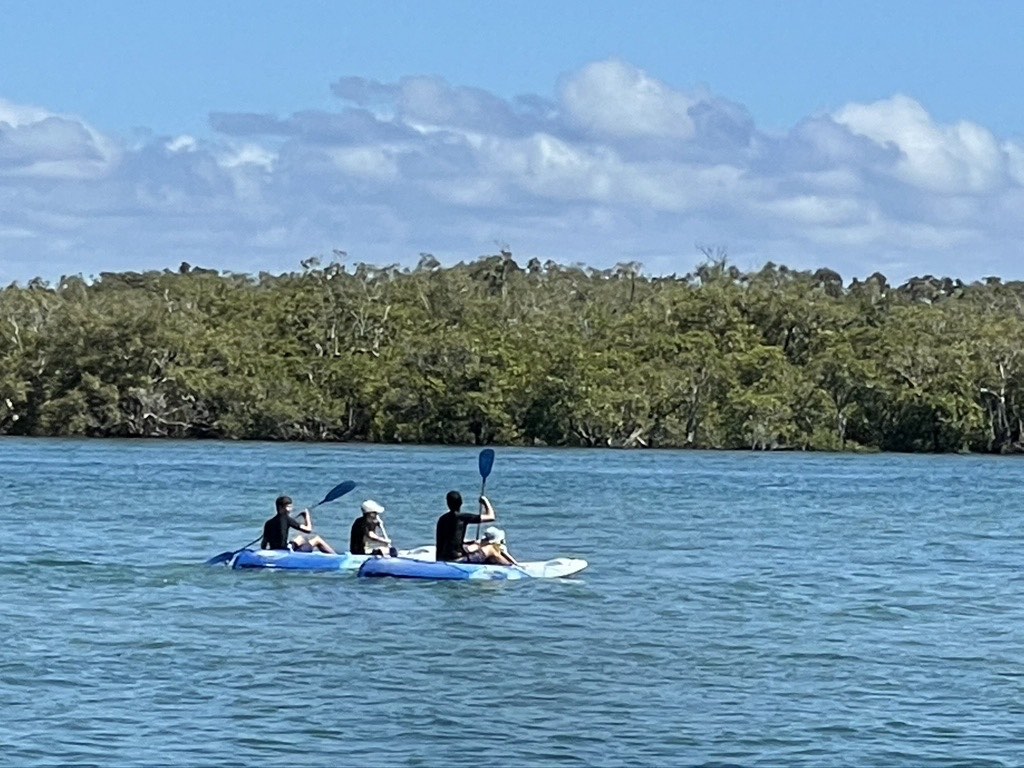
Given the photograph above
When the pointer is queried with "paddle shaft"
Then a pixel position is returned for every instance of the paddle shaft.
(391, 544)
(483, 484)
(258, 538)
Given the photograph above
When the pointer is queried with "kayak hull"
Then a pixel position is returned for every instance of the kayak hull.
(409, 568)
(286, 560)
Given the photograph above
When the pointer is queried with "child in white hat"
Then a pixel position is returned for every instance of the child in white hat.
(368, 535)
(491, 549)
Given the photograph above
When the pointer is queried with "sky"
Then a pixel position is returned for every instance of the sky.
(858, 136)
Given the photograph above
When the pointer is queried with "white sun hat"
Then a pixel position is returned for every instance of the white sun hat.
(370, 505)
(494, 535)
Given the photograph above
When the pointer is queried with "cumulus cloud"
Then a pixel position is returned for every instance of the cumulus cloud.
(939, 158)
(616, 165)
(430, 104)
(614, 99)
(36, 144)
(1015, 156)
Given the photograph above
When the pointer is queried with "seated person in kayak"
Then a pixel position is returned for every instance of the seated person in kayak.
(490, 550)
(451, 526)
(368, 536)
(275, 531)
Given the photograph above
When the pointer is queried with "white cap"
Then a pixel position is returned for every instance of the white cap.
(494, 534)
(370, 505)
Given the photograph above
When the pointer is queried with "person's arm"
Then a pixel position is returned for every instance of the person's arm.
(486, 510)
(306, 526)
(374, 536)
(507, 556)
(469, 518)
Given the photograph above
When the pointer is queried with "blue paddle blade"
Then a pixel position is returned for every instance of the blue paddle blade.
(339, 490)
(223, 557)
(486, 462)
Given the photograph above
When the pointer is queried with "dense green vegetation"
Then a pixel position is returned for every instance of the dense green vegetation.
(489, 352)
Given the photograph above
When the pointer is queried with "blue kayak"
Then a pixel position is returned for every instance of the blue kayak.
(408, 568)
(286, 560)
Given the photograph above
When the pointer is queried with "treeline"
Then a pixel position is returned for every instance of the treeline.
(492, 352)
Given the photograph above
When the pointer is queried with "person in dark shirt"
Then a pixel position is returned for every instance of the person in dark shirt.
(275, 531)
(451, 527)
(368, 536)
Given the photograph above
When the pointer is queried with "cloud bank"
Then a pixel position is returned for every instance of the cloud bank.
(615, 166)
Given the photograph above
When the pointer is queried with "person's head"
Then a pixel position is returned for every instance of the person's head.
(454, 501)
(371, 508)
(283, 503)
(493, 535)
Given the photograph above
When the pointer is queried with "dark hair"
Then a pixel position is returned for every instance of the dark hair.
(282, 502)
(454, 500)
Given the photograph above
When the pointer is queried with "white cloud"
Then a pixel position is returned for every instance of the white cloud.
(370, 163)
(614, 99)
(37, 144)
(1015, 156)
(619, 166)
(183, 143)
(954, 158)
(818, 210)
(248, 154)
(19, 115)
(247, 167)
(549, 167)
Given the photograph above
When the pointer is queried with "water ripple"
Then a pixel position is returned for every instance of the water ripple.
(767, 610)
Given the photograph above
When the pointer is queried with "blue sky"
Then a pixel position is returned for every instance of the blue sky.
(859, 136)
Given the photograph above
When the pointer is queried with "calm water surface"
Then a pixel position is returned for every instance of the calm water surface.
(739, 609)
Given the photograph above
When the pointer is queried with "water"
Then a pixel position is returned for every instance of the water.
(741, 609)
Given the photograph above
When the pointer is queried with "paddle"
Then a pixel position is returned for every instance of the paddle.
(336, 492)
(391, 547)
(486, 463)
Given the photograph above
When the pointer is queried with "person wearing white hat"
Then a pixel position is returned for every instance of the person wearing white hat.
(491, 548)
(368, 536)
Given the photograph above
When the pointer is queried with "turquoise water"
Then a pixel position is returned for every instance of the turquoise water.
(739, 608)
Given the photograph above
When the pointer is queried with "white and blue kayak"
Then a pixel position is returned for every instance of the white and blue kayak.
(286, 560)
(410, 568)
